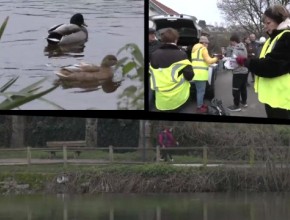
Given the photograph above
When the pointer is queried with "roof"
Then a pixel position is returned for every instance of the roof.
(157, 6)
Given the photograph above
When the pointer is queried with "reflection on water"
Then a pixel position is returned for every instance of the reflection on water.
(24, 52)
(64, 51)
(201, 206)
(108, 86)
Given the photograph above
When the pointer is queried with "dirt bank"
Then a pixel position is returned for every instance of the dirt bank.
(149, 179)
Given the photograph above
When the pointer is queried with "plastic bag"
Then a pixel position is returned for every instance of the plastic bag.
(231, 63)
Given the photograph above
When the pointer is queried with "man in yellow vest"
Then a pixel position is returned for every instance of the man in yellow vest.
(200, 62)
(170, 73)
(272, 69)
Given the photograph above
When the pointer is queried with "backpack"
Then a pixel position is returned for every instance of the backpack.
(216, 108)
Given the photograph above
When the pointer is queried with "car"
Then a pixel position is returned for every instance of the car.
(189, 34)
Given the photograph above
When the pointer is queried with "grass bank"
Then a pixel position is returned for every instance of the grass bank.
(149, 178)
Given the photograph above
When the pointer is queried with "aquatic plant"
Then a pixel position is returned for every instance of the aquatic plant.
(25, 95)
(132, 97)
(2, 28)
(28, 94)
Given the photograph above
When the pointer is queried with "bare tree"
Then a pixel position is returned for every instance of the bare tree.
(91, 132)
(247, 14)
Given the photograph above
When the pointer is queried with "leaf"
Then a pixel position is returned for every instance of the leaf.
(123, 48)
(33, 87)
(2, 28)
(51, 103)
(128, 67)
(8, 84)
(137, 54)
(20, 100)
(121, 62)
(130, 90)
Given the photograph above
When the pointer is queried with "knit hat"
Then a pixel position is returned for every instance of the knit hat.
(203, 39)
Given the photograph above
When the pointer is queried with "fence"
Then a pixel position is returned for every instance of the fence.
(225, 155)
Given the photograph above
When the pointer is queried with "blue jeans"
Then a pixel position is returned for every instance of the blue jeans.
(200, 90)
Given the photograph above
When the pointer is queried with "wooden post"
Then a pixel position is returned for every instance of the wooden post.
(157, 153)
(28, 155)
(111, 153)
(204, 156)
(64, 155)
(252, 157)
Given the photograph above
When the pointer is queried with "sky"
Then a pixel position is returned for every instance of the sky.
(201, 9)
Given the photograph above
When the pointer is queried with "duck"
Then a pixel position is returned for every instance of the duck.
(88, 72)
(68, 34)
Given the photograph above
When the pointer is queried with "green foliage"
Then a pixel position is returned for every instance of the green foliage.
(15, 99)
(132, 97)
(2, 28)
(42, 128)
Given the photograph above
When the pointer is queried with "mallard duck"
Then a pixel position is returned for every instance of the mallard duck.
(65, 34)
(88, 72)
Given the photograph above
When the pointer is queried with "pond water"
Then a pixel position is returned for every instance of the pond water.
(201, 206)
(111, 25)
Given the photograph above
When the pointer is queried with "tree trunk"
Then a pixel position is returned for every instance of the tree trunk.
(141, 134)
(91, 132)
(17, 135)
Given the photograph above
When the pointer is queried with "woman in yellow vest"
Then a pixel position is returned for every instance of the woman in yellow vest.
(272, 69)
(200, 62)
(170, 73)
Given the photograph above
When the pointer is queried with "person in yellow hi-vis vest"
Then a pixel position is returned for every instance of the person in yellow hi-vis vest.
(170, 73)
(272, 68)
(200, 62)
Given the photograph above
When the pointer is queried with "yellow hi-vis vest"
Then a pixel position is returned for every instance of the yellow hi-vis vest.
(200, 67)
(171, 90)
(273, 91)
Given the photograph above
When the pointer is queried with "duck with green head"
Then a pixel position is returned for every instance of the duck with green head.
(67, 34)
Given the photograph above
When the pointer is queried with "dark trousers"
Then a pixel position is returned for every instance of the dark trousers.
(240, 88)
(165, 154)
(252, 75)
(277, 112)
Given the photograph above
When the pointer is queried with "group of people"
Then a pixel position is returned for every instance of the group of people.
(171, 72)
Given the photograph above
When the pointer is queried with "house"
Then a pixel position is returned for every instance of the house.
(157, 8)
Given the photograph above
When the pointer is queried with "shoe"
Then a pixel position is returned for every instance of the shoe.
(234, 108)
(204, 106)
(201, 110)
(244, 104)
(171, 160)
(161, 159)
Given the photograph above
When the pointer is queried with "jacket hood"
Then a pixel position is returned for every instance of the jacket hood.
(284, 25)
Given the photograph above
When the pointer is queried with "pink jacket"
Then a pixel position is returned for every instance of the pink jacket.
(166, 138)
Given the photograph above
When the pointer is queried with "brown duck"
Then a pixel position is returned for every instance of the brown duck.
(88, 72)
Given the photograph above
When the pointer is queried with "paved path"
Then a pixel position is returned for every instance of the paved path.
(12, 162)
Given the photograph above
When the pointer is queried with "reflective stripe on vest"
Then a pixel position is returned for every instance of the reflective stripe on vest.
(174, 69)
(171, 89)
(200, 67)
(273, 91)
